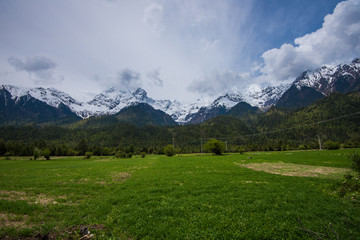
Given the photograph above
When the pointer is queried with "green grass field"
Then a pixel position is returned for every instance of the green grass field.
(251, 196)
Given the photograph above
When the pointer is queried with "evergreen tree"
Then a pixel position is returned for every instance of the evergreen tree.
(82, 146)
(2, 147)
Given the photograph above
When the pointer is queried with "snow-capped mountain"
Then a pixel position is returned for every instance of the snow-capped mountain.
(263, 99)
(108, 102)
(327, 79)
(112, 100)
(267, 96)
(21, 106)
(311, 85)
(50, 96)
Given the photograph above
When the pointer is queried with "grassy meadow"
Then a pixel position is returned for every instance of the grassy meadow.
(258, 195)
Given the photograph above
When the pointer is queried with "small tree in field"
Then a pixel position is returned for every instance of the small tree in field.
(215, 146)
(37, 153)
(46, 153)
(88, 155)
(169, 150)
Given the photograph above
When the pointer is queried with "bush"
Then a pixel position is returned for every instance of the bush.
(169, 150)
(8, 155)
(241, 150)
(37, 153)
(143, 154)
(349, 187)
(355, 162)
(302, 147)
(215, 146)
(330, 145)
(120, 154)
(88, 155)
(46, 153)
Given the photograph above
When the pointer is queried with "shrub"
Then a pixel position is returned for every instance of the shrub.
(215, 146)
(302, 147)
(143, 154)
(8, 155)
(37, 153)
(120, 154)
(355, 162)
(330, 145)
(169, 150)
(88, 155)
(241, 150)
(46, 153)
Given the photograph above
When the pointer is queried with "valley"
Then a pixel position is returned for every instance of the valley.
(249, 196)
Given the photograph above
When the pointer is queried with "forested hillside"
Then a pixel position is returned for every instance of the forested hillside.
(335, 118)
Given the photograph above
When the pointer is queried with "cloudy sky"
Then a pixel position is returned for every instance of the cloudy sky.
(173, 49)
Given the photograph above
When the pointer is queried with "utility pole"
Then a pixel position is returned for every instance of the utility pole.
(201, 146)
(226, 146)
(319, 142)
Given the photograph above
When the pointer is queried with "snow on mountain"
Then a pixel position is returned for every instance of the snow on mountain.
(267, 96)
(50, 96)
(182, 113)
(53, 97)
(326, 78)
(228, 100)
(112, 100)
(15, 92)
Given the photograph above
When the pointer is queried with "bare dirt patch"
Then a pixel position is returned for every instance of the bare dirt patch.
(121, 176)
(103, 160)
(13, 195)
(256, 182)
(12, 220)
(32, 199)
(291, 169)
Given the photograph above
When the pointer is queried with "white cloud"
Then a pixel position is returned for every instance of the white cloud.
(216, 83)
(154, 77)
(33, 64)
(338, 40)
(192, 42)
(208, 45)
(153, 17)
(40, 69)
(129, 79)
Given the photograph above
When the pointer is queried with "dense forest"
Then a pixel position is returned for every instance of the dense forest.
(335, 119)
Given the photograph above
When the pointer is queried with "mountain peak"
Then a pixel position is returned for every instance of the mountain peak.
(326, 78)
(140, 93)
(15, 91)
(356, 61)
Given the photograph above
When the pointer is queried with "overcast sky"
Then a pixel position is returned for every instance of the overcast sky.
(173, 49)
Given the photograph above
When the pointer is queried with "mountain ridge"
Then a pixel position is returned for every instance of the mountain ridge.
(307, 88)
